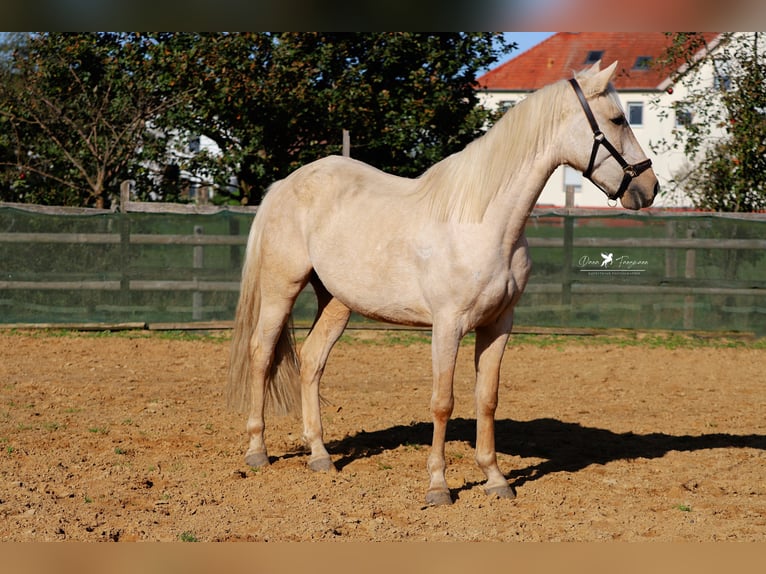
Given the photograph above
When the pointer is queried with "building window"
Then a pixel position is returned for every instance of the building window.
(722, 82)
(683, 117)
(636, 113)
(643, 63)
(506, 105)
(722, 76)
(594, 56)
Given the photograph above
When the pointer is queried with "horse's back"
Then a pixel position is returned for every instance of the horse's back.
(345, 179)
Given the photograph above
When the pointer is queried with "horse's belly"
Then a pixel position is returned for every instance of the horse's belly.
(378, 291)
(380, 305)
(400, 315)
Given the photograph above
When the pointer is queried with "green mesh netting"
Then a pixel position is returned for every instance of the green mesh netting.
(611, 270)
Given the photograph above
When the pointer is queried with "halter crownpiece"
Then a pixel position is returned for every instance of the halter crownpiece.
(599, 139)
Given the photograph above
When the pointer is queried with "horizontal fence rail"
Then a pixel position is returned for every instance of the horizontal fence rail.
(160, 263)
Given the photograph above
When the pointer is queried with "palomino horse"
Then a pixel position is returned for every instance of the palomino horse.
(445, 250)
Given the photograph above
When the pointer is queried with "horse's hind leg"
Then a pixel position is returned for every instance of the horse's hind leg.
(262, 347)
(331, 320)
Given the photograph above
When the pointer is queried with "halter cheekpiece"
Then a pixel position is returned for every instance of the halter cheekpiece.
(599, 139)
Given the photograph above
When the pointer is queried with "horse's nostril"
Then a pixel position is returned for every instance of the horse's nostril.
(656, 189)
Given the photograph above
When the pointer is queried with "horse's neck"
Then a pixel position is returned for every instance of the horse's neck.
(504, 170)
(522, 186)
(512, 206)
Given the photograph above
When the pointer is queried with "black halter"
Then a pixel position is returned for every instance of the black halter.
(599, 139)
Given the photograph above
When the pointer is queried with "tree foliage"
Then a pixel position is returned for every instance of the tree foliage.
(74, 110)
(726, 139)
(81, 112)
(273, 102)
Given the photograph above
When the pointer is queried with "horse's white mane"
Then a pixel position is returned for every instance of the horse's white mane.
(461, 186)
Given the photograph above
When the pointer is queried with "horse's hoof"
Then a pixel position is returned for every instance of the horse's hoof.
(256, 459)
(438, 497)
(322, 465)
(502, 491)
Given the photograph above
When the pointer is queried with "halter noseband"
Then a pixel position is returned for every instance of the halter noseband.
(599, 139)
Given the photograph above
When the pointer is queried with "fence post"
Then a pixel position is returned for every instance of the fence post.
(198, 263)
(690, 272)
(346, 143)
(670, 253)
(124, 196)
(124, 243)
(566, 287)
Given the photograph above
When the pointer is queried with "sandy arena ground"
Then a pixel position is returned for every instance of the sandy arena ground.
(126, 438)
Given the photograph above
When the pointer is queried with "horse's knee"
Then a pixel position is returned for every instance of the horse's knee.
(441, 409)
(486, 408)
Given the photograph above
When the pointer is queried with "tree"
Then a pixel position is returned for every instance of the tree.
(81, 112)
(274, 102)
(74, 110)
(726, 139)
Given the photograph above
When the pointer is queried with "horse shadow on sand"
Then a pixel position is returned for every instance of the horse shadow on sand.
(563, 446)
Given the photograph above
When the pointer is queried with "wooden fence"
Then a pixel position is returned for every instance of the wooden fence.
(199, 283)
(125, 240)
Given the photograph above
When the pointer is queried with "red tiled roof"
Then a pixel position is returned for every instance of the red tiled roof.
(564, 53)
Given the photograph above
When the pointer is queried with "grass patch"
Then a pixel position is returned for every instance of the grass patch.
(407, 338)
(647, 339)
(172, 335)
(187, 537)
(546, 338)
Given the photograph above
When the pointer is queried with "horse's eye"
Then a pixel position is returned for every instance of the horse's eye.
(618, 121)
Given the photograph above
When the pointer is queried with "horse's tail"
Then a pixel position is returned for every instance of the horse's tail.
(283, 393)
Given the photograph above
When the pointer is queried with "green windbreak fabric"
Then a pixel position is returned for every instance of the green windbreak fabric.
(590, 268)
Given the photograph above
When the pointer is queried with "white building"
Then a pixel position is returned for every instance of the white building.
(650, 99)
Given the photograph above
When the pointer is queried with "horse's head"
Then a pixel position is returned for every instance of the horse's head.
(612, 158)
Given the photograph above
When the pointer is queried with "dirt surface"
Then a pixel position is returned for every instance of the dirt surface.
(126, 438)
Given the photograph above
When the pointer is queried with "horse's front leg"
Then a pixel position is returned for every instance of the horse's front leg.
(444, 346)
(490, 346)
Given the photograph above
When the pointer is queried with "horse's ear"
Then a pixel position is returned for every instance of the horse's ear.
(593, 70)
(597, 83)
